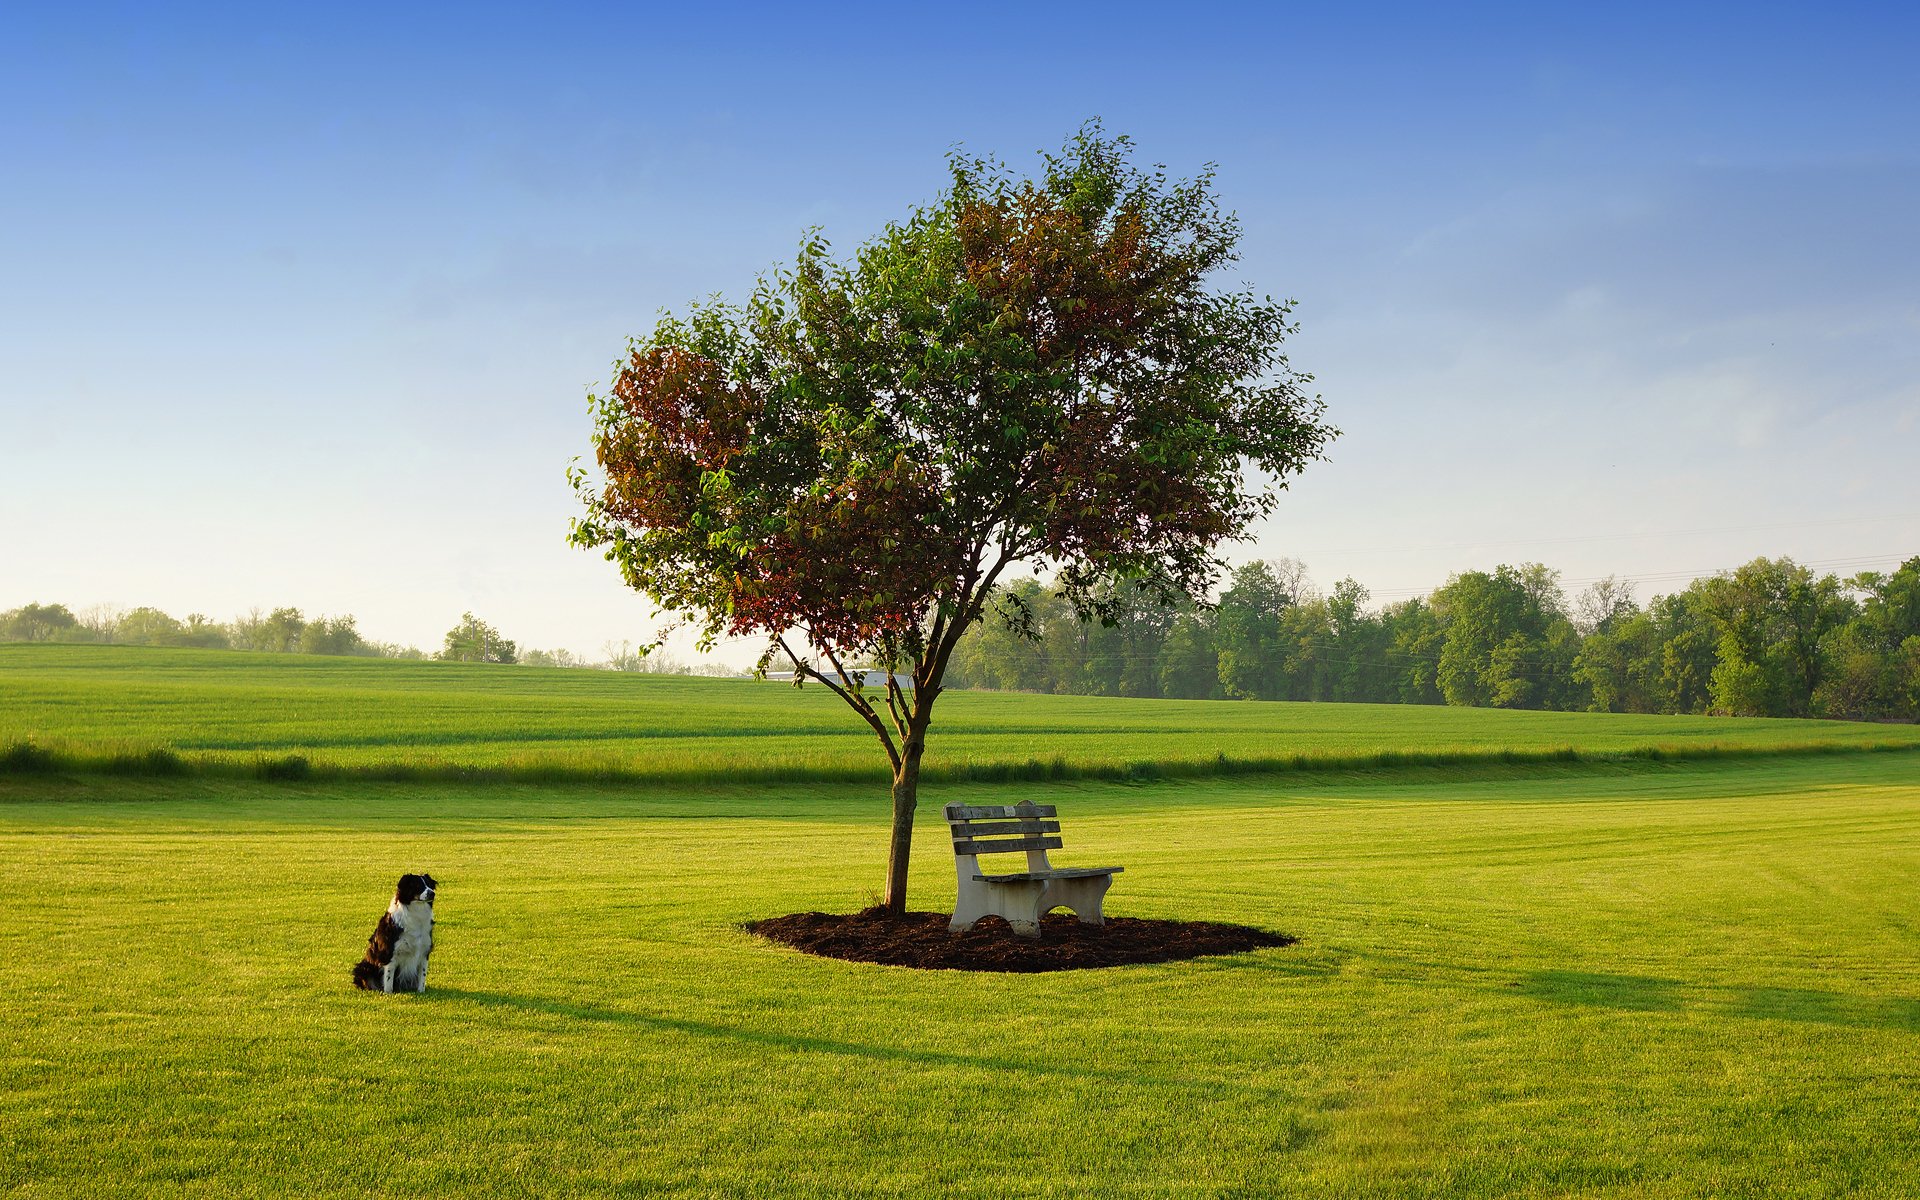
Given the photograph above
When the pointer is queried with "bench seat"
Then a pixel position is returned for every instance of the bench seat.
(1056, 873)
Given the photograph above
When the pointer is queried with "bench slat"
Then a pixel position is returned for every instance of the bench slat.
(969, 846)
(1057, 873)
(999, 812)
(966, 829)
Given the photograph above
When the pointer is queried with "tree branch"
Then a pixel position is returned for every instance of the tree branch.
(854, 701)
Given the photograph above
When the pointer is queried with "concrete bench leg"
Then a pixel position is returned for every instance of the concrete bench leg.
(969, 908)
(1017, 903)
(1084, 896)
(1022, 907)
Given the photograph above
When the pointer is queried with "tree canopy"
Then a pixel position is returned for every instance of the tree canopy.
(1036, 370)
(472, 640)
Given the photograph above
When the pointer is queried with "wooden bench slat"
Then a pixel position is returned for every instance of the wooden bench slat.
(999, 812)
(968, 846)
(967, 829)
(1056, 873)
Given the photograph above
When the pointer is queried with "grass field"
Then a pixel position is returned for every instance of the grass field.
(95, 706)
(1649, 979)
(1681, 959)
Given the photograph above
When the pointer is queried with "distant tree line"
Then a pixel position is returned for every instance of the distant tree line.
(281, 631)
(1772, 638)
(289, 631)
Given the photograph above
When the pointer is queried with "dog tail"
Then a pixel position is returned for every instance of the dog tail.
(367, 975)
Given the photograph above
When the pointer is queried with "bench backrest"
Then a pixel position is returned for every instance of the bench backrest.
(1003, 829)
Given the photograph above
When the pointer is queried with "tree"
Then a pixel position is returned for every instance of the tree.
(1247, 628)
(1123, 649)
(276, 633)
(1604, 604)
(473, 640)
(150, 627)
(38, 623)
(1009, 654)
(1618, 663)
(1868, 658)
(1189, 663)
(1359, 646)
(1027, 370)
(1416, 636)
(204, 632)
(1774, 616)
(1503, 645)
(336, 635)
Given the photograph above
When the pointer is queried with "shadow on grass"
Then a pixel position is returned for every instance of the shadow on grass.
(813, 1045)
(1636, 993)
(1647, 993)
(1828, 1008)
(1633, 993)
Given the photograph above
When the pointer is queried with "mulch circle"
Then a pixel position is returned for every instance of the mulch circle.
(921, 939)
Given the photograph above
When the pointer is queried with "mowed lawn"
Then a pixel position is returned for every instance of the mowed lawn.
(1652, 979)
(372, 716)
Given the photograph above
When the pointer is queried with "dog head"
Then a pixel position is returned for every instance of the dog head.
(414, 887)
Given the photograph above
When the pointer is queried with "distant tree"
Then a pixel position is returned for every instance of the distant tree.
(1689, 651)
(395, 650)
(1868, 658)
(38, 623)
(1774, 616)
(1124, 646)
(1604, 604)
(102, 622)
(473, 640)
(1313, 657)
(1415, 637)
(643, 660)
(1010, 653)
(1027, 371)
(336, 635)
(277, 632)
(1891, 612)
(1499, 630)
(1619, 663)
(621, 656)
(204, 632)
(1189, 660)
(1247, 633)
(149, 627)
(1358, 646)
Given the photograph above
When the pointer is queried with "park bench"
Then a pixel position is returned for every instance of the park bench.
(1025, 897)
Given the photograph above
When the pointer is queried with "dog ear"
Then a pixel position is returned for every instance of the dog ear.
(408, 889)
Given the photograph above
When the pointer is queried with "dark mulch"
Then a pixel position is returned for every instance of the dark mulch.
(921, 939)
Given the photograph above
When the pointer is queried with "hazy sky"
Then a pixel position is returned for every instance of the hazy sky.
(302, 309)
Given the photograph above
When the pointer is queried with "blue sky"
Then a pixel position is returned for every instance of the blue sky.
(302, 308)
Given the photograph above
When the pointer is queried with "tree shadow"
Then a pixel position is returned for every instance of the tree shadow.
(1638, 993)
(1827, 1008)
(761, 1038)
(1633, 993)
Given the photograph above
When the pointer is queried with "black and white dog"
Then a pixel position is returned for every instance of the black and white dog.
(397, 952)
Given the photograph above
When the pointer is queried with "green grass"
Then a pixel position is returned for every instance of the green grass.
(1638, 980)
(136, 710)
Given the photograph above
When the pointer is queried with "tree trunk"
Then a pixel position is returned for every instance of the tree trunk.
(906, 795)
